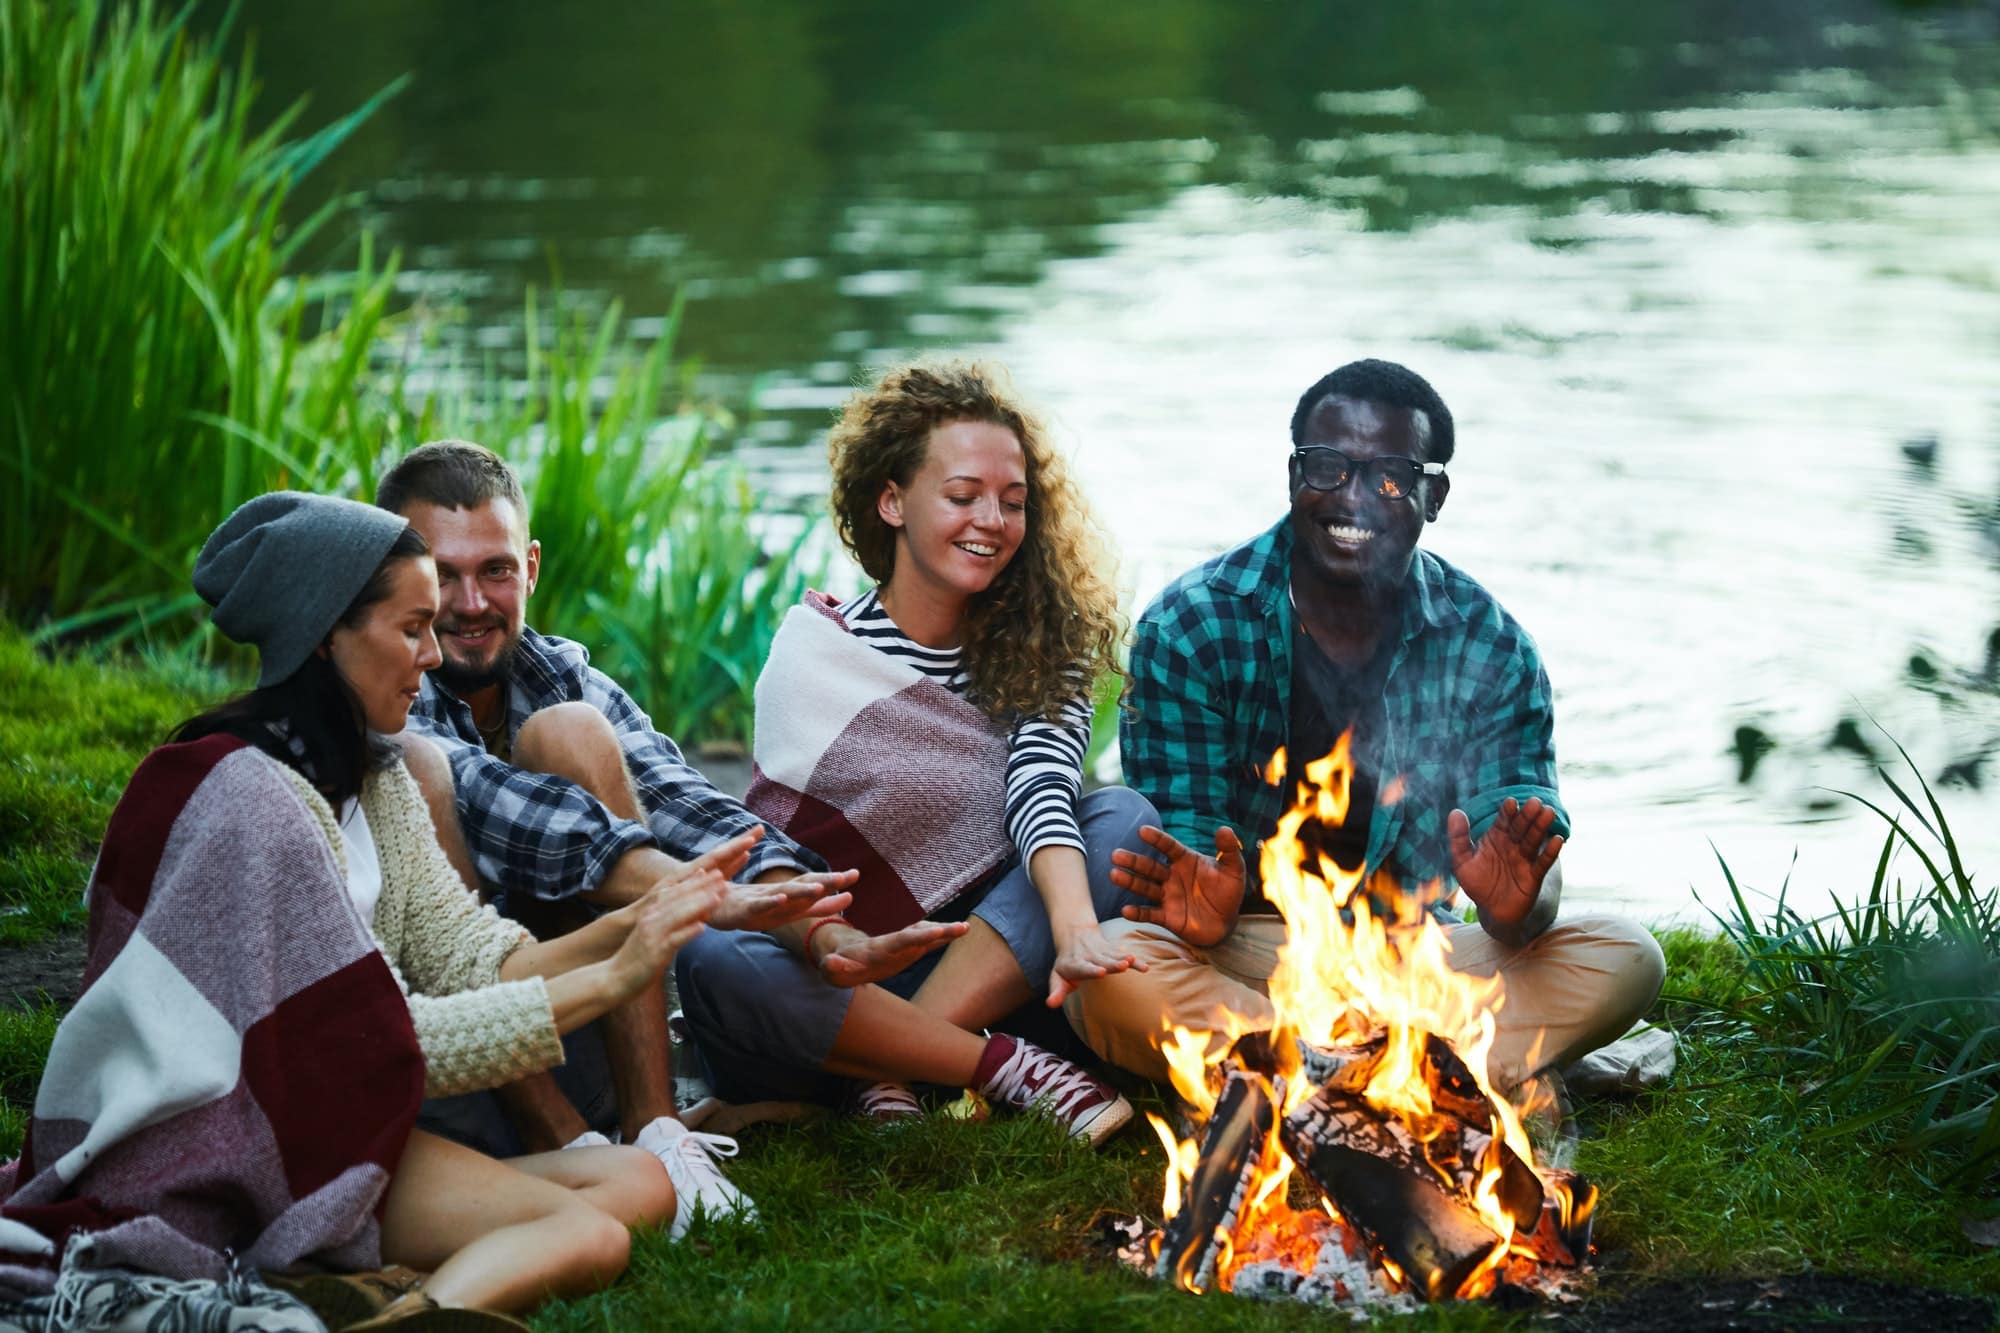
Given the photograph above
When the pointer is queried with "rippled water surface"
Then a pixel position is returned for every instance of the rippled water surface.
(1713, 290)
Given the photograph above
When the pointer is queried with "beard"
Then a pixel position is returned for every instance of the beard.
(463, 678)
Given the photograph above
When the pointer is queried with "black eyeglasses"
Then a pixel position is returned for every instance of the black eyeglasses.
(1326, 469)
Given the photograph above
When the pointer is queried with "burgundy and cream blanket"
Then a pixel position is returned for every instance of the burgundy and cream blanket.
(878, 768)
(240, 1073)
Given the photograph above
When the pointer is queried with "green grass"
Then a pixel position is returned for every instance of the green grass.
(1719, 1173)
(1886, 1010)
(71, 732)
(933, 1225)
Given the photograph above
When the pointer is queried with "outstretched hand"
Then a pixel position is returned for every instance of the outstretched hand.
(1087, 955)
(779, 902)
(1503, 875)
(661, 923)
(855, 958)
(1195, 896)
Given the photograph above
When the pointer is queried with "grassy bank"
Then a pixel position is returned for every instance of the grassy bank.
(1746, 1165)
(164, 357)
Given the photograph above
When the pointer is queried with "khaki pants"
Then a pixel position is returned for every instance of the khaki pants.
(1578, 985)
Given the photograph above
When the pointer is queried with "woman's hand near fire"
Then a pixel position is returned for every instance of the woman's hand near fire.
(1510, 876)
(849, 957)
(1195, 896)
(1084, 955)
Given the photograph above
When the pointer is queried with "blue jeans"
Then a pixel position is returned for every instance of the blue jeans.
(764, 1021)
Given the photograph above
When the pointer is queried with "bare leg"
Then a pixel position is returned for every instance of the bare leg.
(574, 741)
(501, 1236)
(977, 981)
(887, 1038)
(541, 1112)
(636, 1044)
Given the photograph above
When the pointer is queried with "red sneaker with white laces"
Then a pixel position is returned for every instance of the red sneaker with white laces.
(1025, 1077)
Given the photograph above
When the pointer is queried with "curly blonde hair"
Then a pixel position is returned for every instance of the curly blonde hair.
(1052, 612)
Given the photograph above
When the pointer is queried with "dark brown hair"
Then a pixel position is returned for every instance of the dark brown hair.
(452, 474)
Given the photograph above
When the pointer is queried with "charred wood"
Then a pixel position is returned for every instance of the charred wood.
(1198, 1234)
(1383, 1184)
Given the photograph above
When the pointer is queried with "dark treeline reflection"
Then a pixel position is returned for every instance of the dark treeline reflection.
(762, 157)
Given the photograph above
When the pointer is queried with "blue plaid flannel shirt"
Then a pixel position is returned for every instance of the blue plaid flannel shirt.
(549, 837)
(1468, 714)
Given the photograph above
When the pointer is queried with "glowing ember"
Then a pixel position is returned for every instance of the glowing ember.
(1373, 1079)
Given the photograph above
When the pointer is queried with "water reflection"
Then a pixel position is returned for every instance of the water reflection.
(1693, 276)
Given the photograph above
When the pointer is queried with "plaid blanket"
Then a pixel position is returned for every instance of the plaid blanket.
(876, 767)
(240, 1073)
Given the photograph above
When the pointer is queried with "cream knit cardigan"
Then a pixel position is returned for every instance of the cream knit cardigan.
(475, 1030)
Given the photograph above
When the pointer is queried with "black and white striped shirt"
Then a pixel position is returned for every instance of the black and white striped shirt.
(1044, 759)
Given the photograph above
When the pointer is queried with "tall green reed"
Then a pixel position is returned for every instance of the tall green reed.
(1884, 1014)
(157, 364)
(160, 363)
(654, 554)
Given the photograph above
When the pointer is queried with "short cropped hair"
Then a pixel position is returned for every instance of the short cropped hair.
(452, 474)
(1381, 382)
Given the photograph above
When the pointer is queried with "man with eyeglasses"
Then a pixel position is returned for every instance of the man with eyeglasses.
(1333, 623)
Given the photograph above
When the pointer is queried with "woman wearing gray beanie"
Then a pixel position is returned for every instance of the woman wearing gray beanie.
(282, 964)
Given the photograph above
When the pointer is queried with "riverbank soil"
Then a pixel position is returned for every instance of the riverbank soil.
(1800, 1302)
(48, 970)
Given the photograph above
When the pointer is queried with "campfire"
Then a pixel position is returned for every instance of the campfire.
(1368, 1102)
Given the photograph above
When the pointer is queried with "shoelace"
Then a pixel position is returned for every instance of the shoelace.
(890, 1099)
(1048, 1078)
(700, 1150)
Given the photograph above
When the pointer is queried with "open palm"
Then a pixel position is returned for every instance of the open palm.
(1195, 896)
(1503, 874)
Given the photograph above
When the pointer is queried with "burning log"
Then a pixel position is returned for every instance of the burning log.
(1383, 1183)
(1197, 1237)
(1561, 1235)
(1430, 1185)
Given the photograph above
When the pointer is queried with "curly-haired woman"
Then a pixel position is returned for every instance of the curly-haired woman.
(931, 733)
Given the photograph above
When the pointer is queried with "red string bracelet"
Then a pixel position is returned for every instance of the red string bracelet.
(806, 946)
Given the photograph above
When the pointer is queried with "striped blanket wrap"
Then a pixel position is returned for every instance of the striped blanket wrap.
(878, 768)
(239, 1076)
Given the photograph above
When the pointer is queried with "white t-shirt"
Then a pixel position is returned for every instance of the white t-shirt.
(364, 866)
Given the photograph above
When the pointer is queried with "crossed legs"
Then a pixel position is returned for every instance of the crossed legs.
(1568, 991)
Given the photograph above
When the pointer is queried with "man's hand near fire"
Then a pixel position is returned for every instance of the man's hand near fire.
(1195, 896)
(1511, 874)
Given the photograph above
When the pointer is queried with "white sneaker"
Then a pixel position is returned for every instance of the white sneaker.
(691, 1162)
(590, 1138)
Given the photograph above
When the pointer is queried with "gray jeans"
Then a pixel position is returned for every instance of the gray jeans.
(764, 1021)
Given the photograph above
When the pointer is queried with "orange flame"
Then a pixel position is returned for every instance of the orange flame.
(1358, 959)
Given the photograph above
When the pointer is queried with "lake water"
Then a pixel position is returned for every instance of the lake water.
(1713, 291)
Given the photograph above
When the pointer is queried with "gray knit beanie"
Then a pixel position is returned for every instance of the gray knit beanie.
(281, 569)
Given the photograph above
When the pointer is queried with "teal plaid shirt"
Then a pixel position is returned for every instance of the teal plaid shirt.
(1468, 717)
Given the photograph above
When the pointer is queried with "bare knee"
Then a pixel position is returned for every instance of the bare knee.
(636, 1191)
(597, 1247)
(431, 770)
(574, 741)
